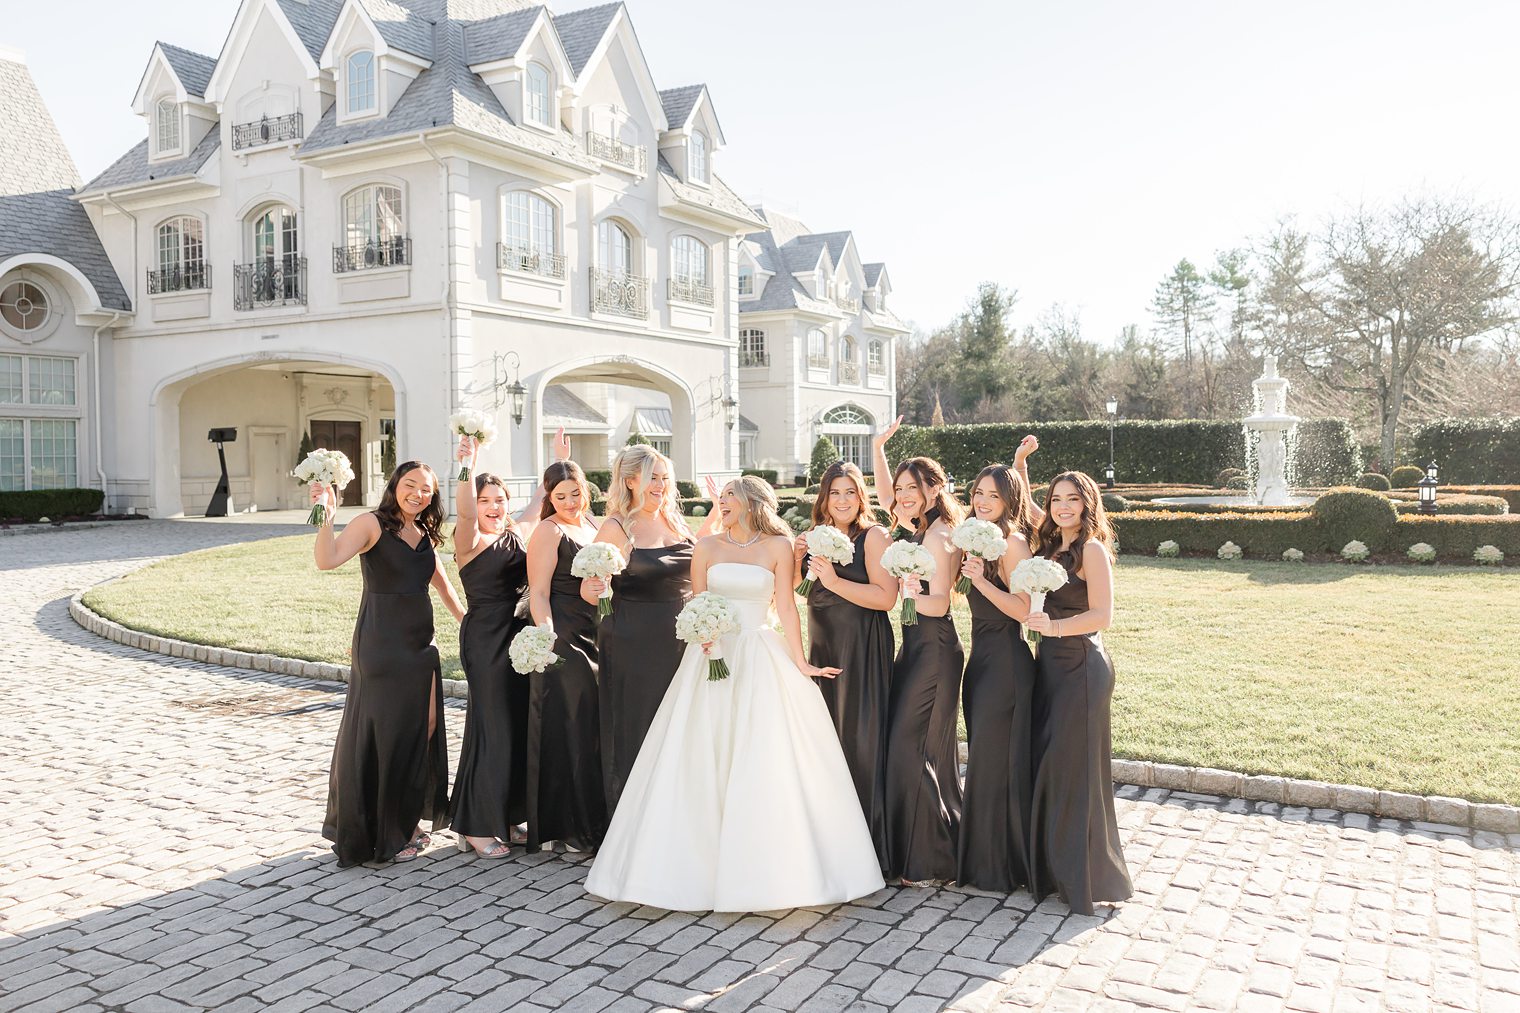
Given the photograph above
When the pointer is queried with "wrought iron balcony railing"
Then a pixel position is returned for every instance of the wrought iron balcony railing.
(623, 295)
(877, 369)
(847, 304)
(610, 149)
(754, 358)
(273, 282)
(683, 289)
(818, 361)
(186, 278)
(266, 130)
(849, 372)
(394, 252)
(518, 258)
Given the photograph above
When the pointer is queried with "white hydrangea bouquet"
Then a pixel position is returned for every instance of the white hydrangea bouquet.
(532, 650)
(705, 619)
(829, 543)
(979, 538)
(329, 467)
(909, 562)
(1036, 577)
(599, 559)
(477, 424)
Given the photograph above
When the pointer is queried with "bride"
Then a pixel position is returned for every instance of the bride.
(740, 799)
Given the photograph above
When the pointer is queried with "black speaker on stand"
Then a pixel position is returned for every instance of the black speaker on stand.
(221, 500)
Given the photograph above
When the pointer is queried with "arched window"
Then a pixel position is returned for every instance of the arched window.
(530, 235)
(847, 415)
(372, 218)
(817, 349)
(752, 350)
(360, 71)
(849, 363)
(688, 260)
(166, 126)
(181, 256)
(615, 289)
(848, 427)
(276, 269)
(696, 162)
(614, 248)
(876, 358)
(537, 106)
(23, 306)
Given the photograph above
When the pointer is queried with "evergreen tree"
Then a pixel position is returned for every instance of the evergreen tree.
(824, 454)
(637, 437)
(306, 447)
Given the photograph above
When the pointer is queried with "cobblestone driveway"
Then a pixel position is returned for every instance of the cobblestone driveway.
(160, 820)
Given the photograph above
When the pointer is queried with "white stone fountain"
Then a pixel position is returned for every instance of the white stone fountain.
(1267, 431)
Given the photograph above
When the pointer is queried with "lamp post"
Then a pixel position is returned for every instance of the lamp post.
(1427, 487)
(1113, 414)
(516, 393)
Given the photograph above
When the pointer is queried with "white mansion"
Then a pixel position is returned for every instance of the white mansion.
(364, 215)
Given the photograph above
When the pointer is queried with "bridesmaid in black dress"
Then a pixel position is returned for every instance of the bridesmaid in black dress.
(637, 644)
(1074, 844)
(923, 785)
(998, 698)
(850, 628)
(566, 802)
(390, 763)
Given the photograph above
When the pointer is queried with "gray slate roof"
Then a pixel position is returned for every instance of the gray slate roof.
(679, 102)
(133, 167)
(52, 223)
(498, 38)
(401, 27)
(747, 426)
(313, 21)
(563, 408)
(192, 69)
(716, 195)
(649, 421)
(580, 32)
(33, 156)
(787, 248)
(872, 273)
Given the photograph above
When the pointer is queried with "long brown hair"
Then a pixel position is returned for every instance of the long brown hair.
(1095, 523)
(430, 520)
(564, 471)
(1017, 513)
(926, 471)
(850, 473)
(482, 481)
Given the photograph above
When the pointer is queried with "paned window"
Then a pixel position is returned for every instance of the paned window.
(538, 96)
(688, 258)
(614, 248)
(846, 415)
(697, 157)
(182, 253)
(851, 448)
(746, 281)
(372, 215)
(817, 348)
(12, 386)
(530, 223)
(55, 453)
(12, 455)
(876, 357)
(23, 306)
(51, 381)
(752, 351)
(166, 126)
(361, 82)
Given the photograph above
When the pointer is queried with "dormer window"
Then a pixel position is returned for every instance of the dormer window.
(746, 281)
(361, 82)
(537, 107)
(696, 161)
(166, 127)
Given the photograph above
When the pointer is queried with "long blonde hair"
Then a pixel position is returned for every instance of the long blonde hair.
(639, 461)
(759, 501)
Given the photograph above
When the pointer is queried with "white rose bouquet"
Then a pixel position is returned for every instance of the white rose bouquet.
(329, 467)
(532, 650)
(476, 424)
(979, 538)
(705, 619)
(909, 562)
(599, 559)
(827, 542)
(1037, 577)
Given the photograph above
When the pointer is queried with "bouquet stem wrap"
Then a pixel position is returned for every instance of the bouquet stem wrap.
(1036, 604)
(604, 604)
(909, 604)
(318, 515)
(717, 668)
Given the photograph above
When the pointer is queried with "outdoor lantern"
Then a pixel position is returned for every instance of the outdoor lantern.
(519, 396)
(1113, 413)
(1427, 487)
(730, 411)
(1113, 407)
(516, 393)
(1108, 477)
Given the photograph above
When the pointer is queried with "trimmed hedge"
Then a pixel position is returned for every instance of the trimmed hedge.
(54, 504)
(1455, 537)
(1509, 493)
(1114, 503)
(1372, 480)
(1406, 476)
(687, 490)
(1346, 514)
(1266, 536)
(1471, 450)
(1180, 451)
(1453, 503)
(601, 479)
(768, 474)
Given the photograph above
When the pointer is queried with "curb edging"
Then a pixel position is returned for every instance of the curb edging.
(1285, 791)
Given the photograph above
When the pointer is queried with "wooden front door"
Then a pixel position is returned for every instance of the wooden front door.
(331, 434)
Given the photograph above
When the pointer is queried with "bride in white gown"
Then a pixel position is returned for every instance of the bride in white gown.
(740, 799)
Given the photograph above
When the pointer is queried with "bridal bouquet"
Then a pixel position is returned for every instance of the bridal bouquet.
(599, 559)
(532, 650)
(329, 467)
(982, 539)
(1037, 577)
(476, 424)
(908, 561)
(830, 543)
(705, 618)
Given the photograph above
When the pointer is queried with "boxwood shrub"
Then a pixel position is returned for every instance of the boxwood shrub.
(1452, 503)
(1509, 493)
(1372, 480)
(1258, 535)
(54, 504)
(1406, 476)
(1482, 450)
(1456, 536)
(1345, 514)
(601, 479)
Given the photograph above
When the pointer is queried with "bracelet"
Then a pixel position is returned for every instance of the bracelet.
(1055, 628)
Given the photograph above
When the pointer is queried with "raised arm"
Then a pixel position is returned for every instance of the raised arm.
(612, 533)
(710, 522)
(466, 522)
(445, 588)
(528, 518)
(880, 593)
(1015, 606)
(332, 550)
(543, 555)
(883, 470)
(780, 549)
(1027, 446)
(948, 565)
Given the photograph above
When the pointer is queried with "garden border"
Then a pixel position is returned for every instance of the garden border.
(1286, 791)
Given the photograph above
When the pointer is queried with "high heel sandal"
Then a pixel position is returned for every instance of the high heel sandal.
(415, 848)
(496, 849)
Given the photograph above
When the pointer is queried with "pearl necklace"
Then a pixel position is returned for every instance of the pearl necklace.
(743, 545)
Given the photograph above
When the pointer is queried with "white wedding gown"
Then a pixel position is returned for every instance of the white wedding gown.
(740, 799)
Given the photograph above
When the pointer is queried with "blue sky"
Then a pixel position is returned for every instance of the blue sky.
(1073, 151)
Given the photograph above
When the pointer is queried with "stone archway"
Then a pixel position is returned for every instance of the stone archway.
(613, 394)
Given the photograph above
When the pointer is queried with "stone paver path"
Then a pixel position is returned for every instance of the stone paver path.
(159, 850)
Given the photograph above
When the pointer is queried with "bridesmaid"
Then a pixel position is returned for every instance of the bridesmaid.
(998, 697)
(490, 788)
(566, 802)
(390, 764)
(849, 628)
(637, 643)
(1074, 847)
(923, 785)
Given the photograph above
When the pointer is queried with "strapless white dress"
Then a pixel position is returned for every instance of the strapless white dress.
(740, 799)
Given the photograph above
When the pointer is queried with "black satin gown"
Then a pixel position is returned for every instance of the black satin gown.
(566, 801)
(858, 641)
(1074, 835)
(387, 774)
(491, 786)
(923, 785)
(998, 699)
(639, 654)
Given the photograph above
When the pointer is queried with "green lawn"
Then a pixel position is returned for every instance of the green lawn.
(1398, 677)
